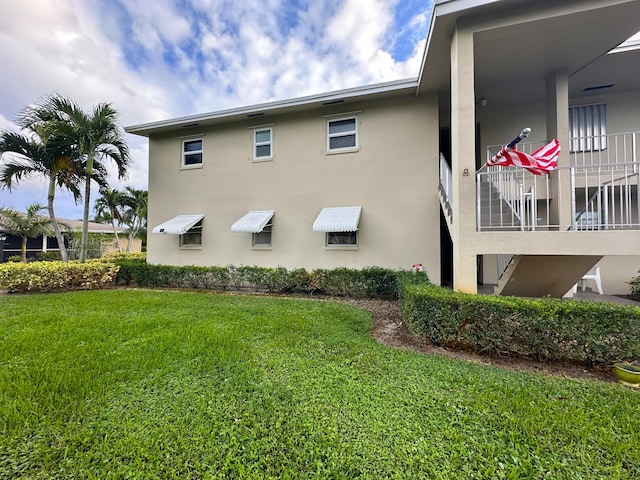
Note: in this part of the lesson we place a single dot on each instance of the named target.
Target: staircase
(543, 275)
(495, 214)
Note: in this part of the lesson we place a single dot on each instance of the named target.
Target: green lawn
(159, 384)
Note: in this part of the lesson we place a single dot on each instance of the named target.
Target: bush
(48, 276)
(47, 257)
(370, 282)
(544, 329)
(634, 287)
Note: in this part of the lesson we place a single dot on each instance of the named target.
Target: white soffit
(178, 225)
(338, 219)
(253, 222)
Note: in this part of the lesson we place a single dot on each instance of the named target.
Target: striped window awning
(253, 222)
(178, 225)
(338, 219)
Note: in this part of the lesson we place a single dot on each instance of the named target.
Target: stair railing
(611, 205)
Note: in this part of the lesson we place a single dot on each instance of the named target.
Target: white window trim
(257, 144)
(191, 246)
(354, 148)
(329, 246)
(183, 165)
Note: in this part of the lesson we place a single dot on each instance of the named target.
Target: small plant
(634, 287)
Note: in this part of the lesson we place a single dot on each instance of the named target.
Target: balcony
(599, 191)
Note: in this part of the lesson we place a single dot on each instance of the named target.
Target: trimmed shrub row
(47, 276)
(370, 282)
(547, 329)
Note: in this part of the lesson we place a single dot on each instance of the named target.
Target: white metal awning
(253, 222)
(178, 225)
(337, 219)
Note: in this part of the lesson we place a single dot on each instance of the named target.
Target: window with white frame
(588, 128)
(342, 134)
(192, 153)
(262, 144)
(342, 238)
(193, 236)
(262, 239)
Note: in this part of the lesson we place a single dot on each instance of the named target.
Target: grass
(159, 384)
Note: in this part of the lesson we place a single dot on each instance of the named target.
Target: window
(342, 238)
(192, 237)
(262, 144)
(588, 128)
(263, 238)
(342, 135)
(192, 153)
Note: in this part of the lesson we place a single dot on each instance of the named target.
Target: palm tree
(136, 214)
(108, 207)
(26, 225)
(95, 135)
(44, 155)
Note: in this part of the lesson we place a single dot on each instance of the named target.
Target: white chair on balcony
(589, 276)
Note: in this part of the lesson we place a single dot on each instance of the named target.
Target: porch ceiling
(517, 43)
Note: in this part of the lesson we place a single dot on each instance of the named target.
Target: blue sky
(158, 59)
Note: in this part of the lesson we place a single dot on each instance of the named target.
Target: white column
(557, 103)
(463, 156)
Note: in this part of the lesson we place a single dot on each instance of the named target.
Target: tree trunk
(54, 221)
(115, 232)
(133, 233)
(87, 202)
(23, 256)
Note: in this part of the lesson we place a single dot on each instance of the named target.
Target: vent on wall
(598, 87)
(333, 102)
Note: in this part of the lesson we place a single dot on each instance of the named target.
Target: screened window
(192, 153)
(588, 128)
(263, 238)
(262, 144)
(193, 236)
(342, 134)
(342, 238)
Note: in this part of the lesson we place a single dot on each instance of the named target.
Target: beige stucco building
(392, 174)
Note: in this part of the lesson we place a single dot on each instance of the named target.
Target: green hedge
(48, 276)
(547, 329)
(370, 282)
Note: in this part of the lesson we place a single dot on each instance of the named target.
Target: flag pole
(523, 134)
(510, 146)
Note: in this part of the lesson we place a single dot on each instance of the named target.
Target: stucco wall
(393, 176)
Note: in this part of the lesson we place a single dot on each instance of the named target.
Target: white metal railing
(516, 202)
(502, 263)
(602, 196)
(446, 182)
(604, 149)
(612, 148)
(613, 204)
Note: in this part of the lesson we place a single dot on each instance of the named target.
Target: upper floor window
(263, 144)
(588, 128)
(192, 153)
(342, 134)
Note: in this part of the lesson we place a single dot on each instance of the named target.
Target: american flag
(540, 162)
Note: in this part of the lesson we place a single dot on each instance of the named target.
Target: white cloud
(168, 58)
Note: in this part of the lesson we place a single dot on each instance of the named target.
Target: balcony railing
(601, 186)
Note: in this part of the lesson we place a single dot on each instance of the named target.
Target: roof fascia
(310, 101)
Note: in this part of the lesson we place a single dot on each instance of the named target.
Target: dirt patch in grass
(390, 329)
